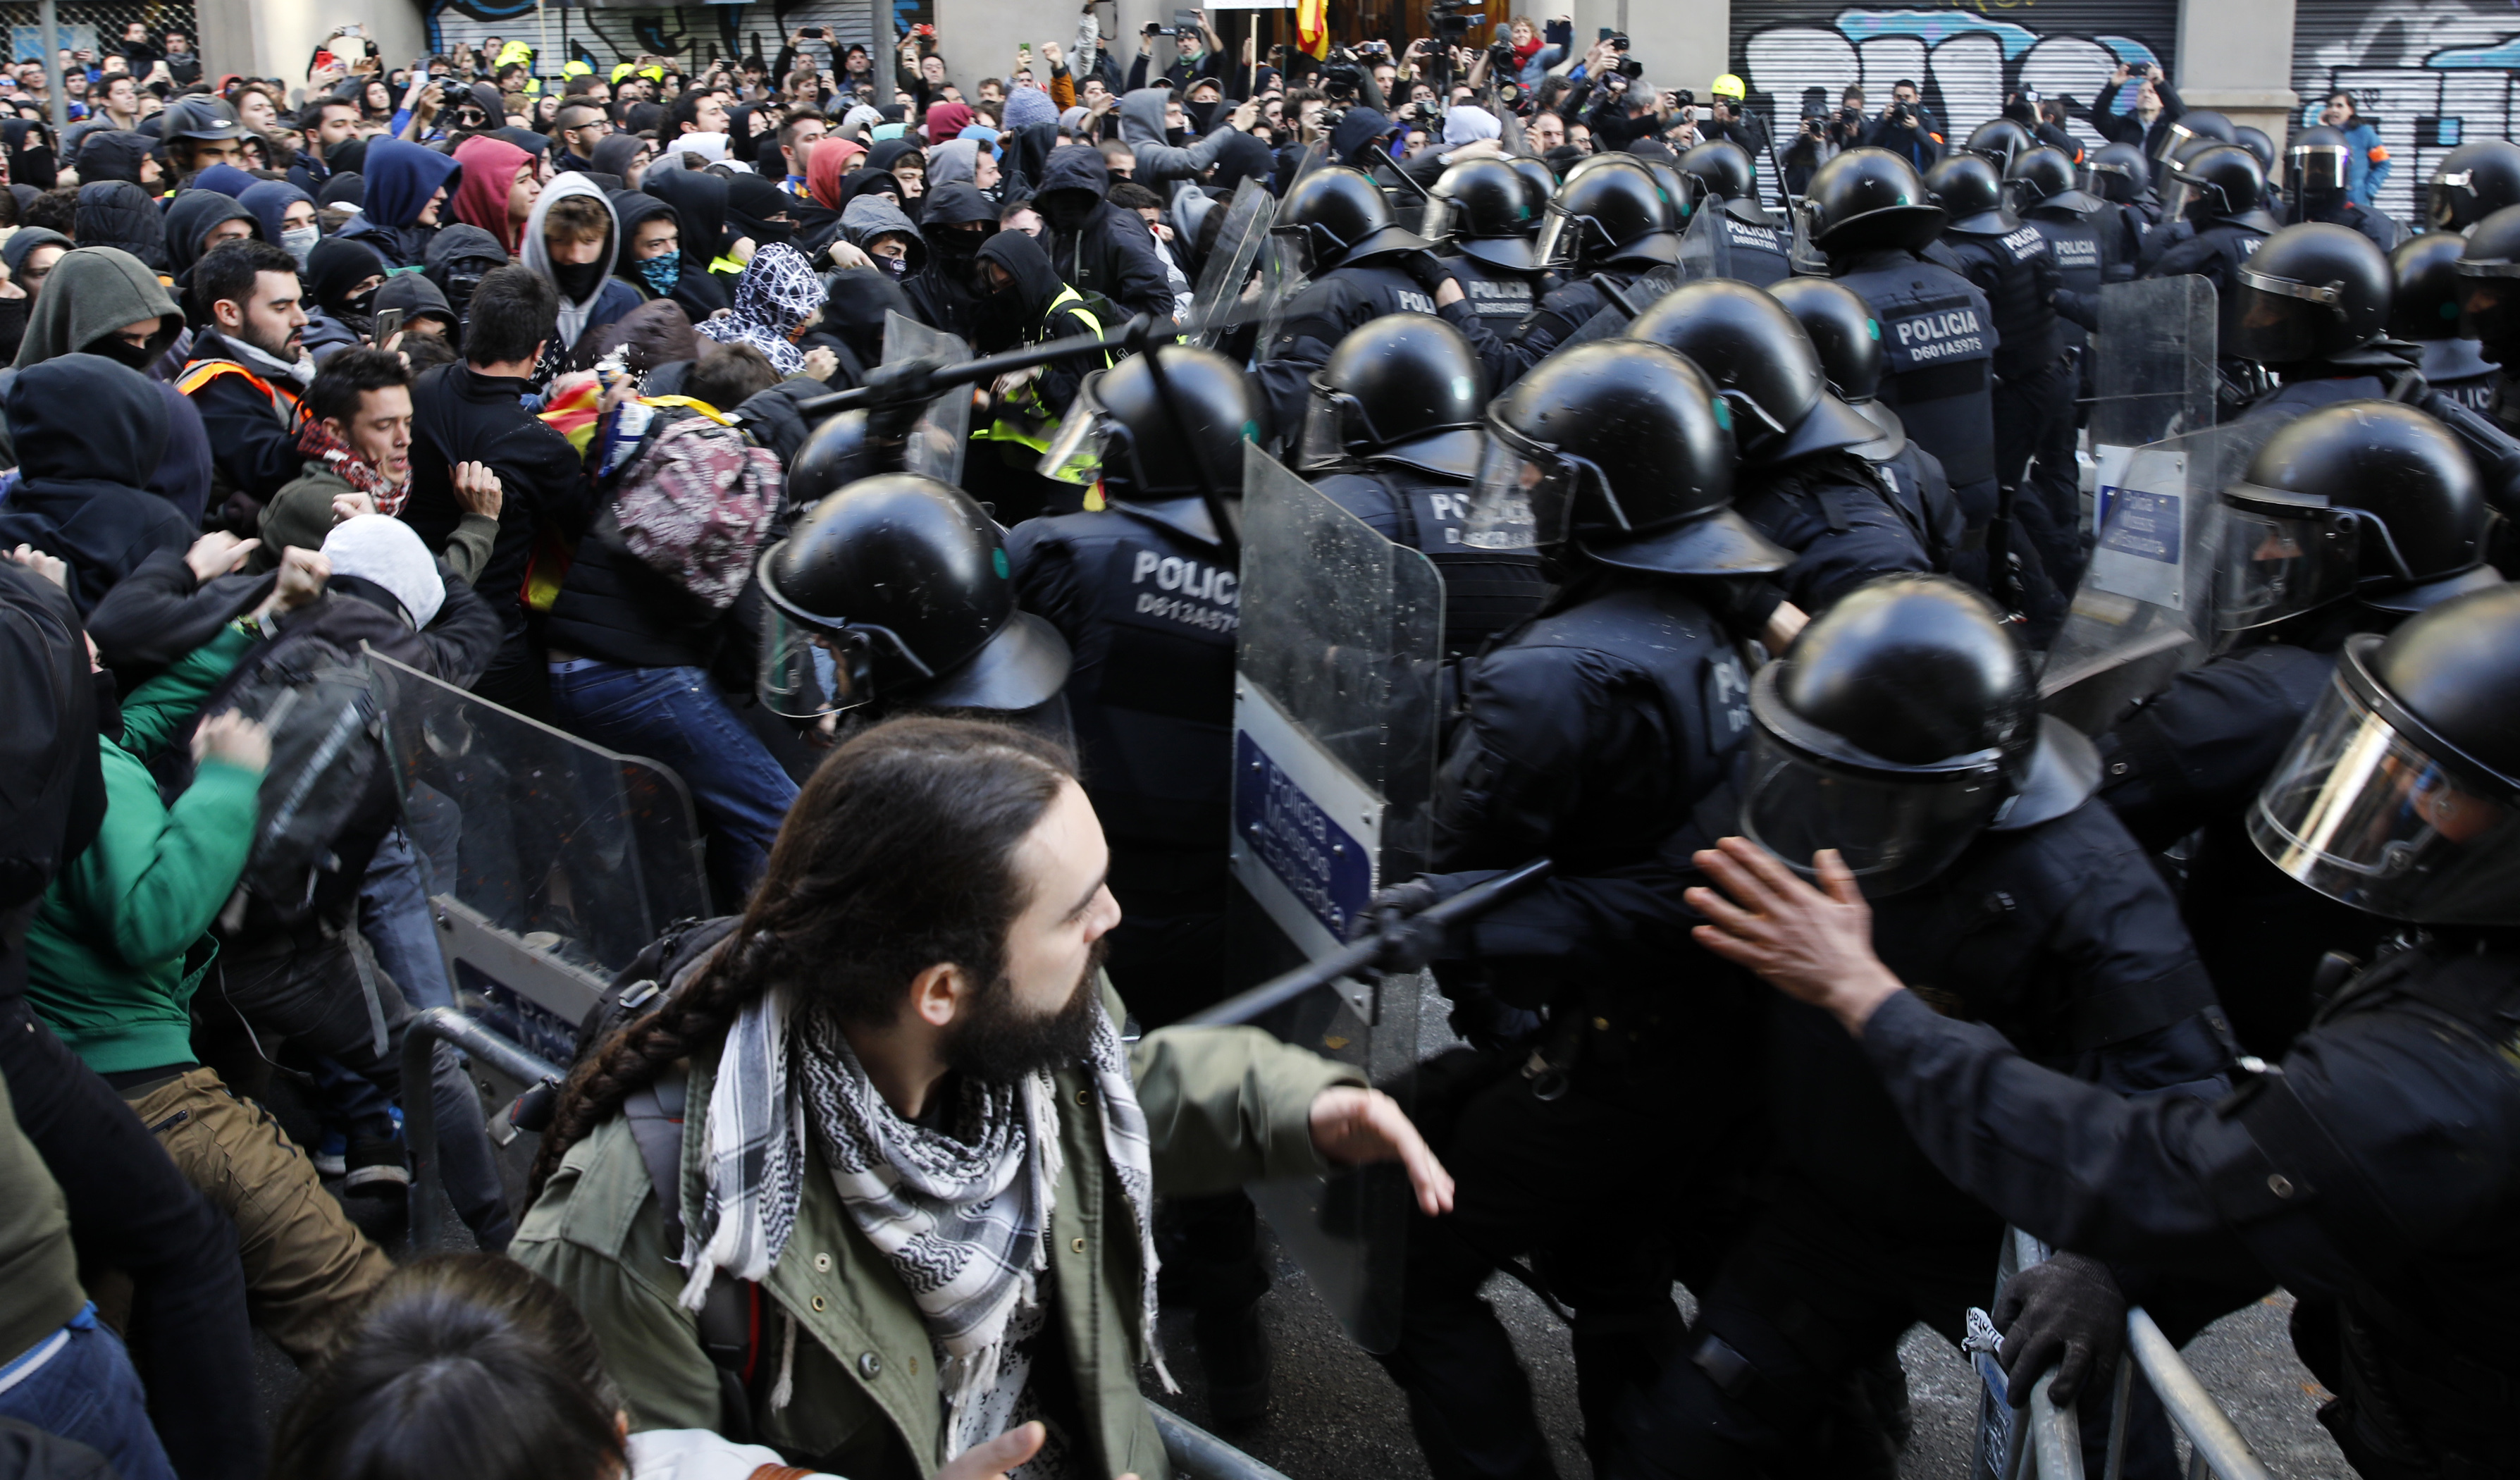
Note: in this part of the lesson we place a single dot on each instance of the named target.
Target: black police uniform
(2375, 372)
(1486, 591)
(1150, 614)
(1561, 312)
(1500, 297)
(2210, 252)
(1322, 313)
(1749, 246)
(2034, 391)
(1832, 511)
(1595, 725)
(2338, 210)
(2059, 939)
(2090, 249)
(1912, 480)
(2457, 369)
(1938, 341)
(2371, 1176)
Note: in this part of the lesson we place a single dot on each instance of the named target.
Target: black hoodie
(1022, 314)
(120, 213)
(693, 287)
(1095, 246)
(699, 202)
(89, 434)
(944, 293)
(112, 153)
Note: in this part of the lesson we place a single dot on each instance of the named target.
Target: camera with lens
(1901, 113)
(1342, 74)
(1451, 22)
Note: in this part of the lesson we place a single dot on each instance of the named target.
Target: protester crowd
(407, 361)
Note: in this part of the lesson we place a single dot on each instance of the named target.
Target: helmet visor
(807, 672)
(2318, 166)
(2273, 568)
(2489, 302)
(1558, 234)
(1524, 491)
(1328, 416)
(2277, 321)
(2447, 201)
(1294, 250)
(1076, 451)
(1442, 220)
(2360, 812)
(1893, 832)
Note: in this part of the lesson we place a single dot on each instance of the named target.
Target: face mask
(137, 356)
(301, 241)
(661, 273)
(1067, 210)
(899, 267)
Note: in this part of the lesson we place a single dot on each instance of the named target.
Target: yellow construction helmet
(1730, 86)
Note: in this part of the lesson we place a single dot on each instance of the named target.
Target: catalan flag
(1313, 27)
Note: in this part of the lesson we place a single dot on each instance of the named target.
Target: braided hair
(899, 854)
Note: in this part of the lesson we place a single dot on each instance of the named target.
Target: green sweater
(105, 959)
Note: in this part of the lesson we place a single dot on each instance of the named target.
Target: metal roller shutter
(606, 34)
(2428, 75)
(1967, 59)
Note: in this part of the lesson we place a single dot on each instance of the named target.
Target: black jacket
(253, 448)
(2127, 128)
(1095, 246)
(460, 416)
(89, 432)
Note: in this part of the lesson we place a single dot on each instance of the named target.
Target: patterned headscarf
(777, 293)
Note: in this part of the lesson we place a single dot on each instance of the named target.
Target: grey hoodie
(953, 161)
(573, 312)
(1142, 128)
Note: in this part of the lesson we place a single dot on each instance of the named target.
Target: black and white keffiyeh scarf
(961, 1214)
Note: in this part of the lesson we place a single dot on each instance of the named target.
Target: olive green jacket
(1223, 1106)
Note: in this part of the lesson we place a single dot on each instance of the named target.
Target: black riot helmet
(1488, 209)
(2190, 126)
(1761, 362)
(1848, 337)
(2257, 141)
(2472, 182)
(2117, 174)
(2222, 182)
(1722, 168)
(2045, 178)
(1543, 179)
(1970, 192)
(1623, 453)
(1867, 199)
(1610, 209)
(2423, 305)
(2311, 291)
(2314, 162)
(2371, 500)
(1900, 725)
(896, 588)
(836, 455)
(1157, 436)
(2000, 142)
(1336, 217)
(2399, 794)
(2488, 280)
(1406, 388)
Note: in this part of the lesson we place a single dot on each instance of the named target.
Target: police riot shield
(1283, 275)
(944, 430)
(2143, 611)
(551, 862)
(2152, 367)
(1335, 700)
(1702, 244)
(1227, 274)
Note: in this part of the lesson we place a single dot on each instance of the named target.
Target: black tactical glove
(897, 393)
(1408, 947)
(1426, 268)
(2068, 1313)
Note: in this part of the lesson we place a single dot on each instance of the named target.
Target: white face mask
(301, 241)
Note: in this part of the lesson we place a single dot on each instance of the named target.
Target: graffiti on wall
(2429, 73)
(607, 35)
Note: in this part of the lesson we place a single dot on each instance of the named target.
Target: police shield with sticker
(1334, 710)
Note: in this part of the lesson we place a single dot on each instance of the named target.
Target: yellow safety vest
(1035, 431)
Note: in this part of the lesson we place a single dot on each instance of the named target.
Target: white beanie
(380, 547)
(1466, 124)
(712, 148)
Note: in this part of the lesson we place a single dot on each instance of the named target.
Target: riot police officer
(2423, 311)
(1395, 437)
(1359, 264)
(893, 594)
(2489, 304)
(2196, 129)
(1752, 245)
(2009, 262)
(1902, 731)
(2000, 142)
(2369, 1174)
(1145, 591)
(2218, 220)
(2313, 307)
(1609, 224)
(2349, 519)
(1868, 211)
(2472, 182)
(1848, 339)
(1799, 481)
(1588, 733)
(1487, 212)
(2315, 172)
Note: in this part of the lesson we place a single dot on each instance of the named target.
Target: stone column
(2236, 57)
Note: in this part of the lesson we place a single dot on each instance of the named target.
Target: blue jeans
(674, 715)
(86, 1389)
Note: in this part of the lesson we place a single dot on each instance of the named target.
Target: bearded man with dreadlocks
(913, 1164)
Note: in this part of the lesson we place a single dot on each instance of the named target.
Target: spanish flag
(1313, 27)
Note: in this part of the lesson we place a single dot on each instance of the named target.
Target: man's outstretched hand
(1815, 947)
(1356, 1125)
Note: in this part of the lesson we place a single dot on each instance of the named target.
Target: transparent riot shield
(1226, 272)
(944, 429)
(551, 862)
(1702, 246)
(2152, 365)
(1334, 717)
(2143, 611)
(1282, 277)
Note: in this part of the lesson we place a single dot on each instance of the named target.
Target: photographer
(1907, 127)
(1817, 139)
(1730, 117)
(2156, 107)
(1199, 52)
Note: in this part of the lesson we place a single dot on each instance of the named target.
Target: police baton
(1392, 947)
(924, 386)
